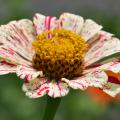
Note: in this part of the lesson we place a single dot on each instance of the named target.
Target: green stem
(51, 108)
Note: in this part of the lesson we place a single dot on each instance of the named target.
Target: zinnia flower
(53, 55)
(100, 97)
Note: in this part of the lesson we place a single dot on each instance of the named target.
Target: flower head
(53, 55)
(60, 55)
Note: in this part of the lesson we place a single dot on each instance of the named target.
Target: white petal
(75, 84)
(10, 55)
(36, 88)
(90, 28)
(101, 35)
(41, 86)
(44, 23)
(18, 35)
(57, 89)
(6, 68)
(27, 73)
(27, 30)
(112, 89)
(113, 66)
(72, 22)
(104, 47)
(95, 78)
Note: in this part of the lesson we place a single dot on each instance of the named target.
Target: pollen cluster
(59, 53)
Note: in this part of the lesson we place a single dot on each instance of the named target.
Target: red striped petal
(16, 40)
(102, 48)
(44, 23)
(71, 22)
(27, 73)
(6, 67)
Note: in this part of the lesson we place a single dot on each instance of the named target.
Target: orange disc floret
(59, 53)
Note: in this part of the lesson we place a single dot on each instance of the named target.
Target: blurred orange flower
(101, 97)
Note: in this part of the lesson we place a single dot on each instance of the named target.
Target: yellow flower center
(59, 53)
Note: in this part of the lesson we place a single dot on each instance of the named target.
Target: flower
(101, 97)
(53, 55)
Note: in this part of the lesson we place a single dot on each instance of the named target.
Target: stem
(51, 108)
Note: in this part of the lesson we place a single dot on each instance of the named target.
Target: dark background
(14, 105)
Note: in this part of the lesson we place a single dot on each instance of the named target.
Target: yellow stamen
(59, 53)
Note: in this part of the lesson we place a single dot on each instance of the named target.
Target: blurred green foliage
(14, 105)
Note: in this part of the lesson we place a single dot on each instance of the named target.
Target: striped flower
(53, 55)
